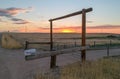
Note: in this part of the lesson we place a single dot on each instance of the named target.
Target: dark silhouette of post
(108, 50)
(51, 35)
(53, 58)
(83, 52)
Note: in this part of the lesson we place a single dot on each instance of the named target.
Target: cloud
(12, 11)
(15, 11)
(89, 21)
(94, 27)
(15, 30)
(4, 13)
(16, 19)
(104, 27)
(21, 21)
(2, 20)
(89, 29)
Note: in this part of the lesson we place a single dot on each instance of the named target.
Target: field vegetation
(67, 40)
(107, 68)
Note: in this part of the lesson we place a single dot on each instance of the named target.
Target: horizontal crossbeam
(38, 42)
(43, 54)
(27, 43)
(72, 14)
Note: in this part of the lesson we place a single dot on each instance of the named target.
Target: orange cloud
(76, 29)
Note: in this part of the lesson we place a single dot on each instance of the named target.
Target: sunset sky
(33, 15)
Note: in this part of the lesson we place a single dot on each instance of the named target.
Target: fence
(27, 43)
(72, 47)
(0, 37)
(64, 45)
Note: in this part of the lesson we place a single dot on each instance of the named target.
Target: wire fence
(95, 51)
(101, 44)
(93, 44)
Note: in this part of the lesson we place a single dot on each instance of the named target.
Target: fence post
(57, 46)
(94, 43)
(83, 52)
(64, 46)
(75, 44)
(110, 42)
(53, 58)
(108, 50)
(83, 12)
(26, 45)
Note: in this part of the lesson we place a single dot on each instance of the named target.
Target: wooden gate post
(83, 12)
(53, 58)
(83, 54)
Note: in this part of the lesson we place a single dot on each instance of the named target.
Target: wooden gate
(83, 12)
(53, 53)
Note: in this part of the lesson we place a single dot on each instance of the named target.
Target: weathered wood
(83, 12)
(38, 43)
(53, 58)
(108, 48)
(51, 36)
(83, 55)
(54, 53)
(26, 45)
(72, 14)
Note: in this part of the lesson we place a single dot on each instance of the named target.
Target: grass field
(107, 68)
(66, 39)
(100, 69)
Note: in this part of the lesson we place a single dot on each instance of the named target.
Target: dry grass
(8, 41)
(102, 69)
(60, 39)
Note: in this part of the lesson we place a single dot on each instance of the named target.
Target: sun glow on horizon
(67, 31)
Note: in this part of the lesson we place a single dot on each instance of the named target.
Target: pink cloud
(15, 11)
(8, 12)
(105, 27)
(90, 29)
(11, 12)
(22, 22)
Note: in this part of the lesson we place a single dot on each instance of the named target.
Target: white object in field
(30, 52)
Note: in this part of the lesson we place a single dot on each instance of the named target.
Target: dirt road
(14, 66)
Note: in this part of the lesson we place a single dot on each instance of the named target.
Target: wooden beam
(72, 14)
(53, 57)
(38, 42)
(83, 12)
(27, 43)
(54, 53)
(51, 36)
